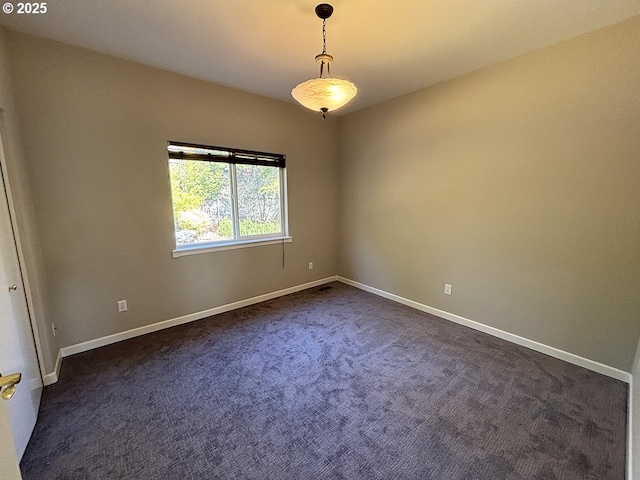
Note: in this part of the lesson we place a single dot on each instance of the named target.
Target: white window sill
(232, 245)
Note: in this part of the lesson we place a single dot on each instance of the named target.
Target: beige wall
(517, 184)
(25, 215)
(95, 130)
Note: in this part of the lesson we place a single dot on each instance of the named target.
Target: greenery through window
(225, 195)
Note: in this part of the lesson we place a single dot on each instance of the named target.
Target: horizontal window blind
(206, 153)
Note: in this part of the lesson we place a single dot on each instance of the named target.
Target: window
(226, 198)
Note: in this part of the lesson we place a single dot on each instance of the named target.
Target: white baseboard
(496, 332)
(532, 344)
(52, 378)
(136, 332)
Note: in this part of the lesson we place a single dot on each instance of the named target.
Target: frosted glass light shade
(329, 93)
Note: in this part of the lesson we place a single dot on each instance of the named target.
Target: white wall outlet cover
(447, 289)
(122, 305)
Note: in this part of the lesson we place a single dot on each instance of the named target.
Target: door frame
(5, 152)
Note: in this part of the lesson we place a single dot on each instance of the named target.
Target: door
(17, 346)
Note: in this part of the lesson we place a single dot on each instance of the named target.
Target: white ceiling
(268, 46)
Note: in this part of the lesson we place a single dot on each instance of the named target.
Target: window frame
(232, 157)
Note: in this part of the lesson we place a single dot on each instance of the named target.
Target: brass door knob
(8, 384)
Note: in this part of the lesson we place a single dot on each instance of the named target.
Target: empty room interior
(439, 280)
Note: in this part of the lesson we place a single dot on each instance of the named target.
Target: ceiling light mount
(324, 11)
(324, 93)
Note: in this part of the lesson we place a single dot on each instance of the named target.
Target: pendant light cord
(324, 35)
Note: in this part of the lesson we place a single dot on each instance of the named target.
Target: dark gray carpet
(333, 384)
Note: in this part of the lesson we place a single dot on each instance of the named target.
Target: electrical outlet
(122, 306)
(310, 265)
(54, 327)
(447, 289)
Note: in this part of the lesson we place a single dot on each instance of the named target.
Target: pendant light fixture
(324, 94)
